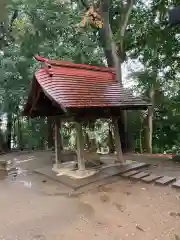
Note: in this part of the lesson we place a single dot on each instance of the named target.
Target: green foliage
(157, 48)
(49, 28)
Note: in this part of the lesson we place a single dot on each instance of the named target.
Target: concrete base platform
(165, 180)
(63, 168)
(103, 173)
(80, 174)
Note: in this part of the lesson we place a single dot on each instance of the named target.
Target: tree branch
(110, 43)
(6, 36)
(123, 25)
(14, 16)
(105, 5)
(85, 4)
(125, 17)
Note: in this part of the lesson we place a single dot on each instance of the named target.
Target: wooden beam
(80, 146)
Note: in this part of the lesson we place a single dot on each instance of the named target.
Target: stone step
(133, 166)
(176, 184)
(140, 175)
(165, 180)
(118, 170)
(130, 173)
(151, 178)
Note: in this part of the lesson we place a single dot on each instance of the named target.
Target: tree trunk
(1, 142)
(42, 137)
(106, 49)
(14, 137)
(58, 142)
(111, 142)
(9, 130)
(93, 145)
(117, 139)
(122, 131)
(2, 149)
(150, 129)
(20, 143)
(87, 141)
(113, 60)
(140, 139)
(98, 146)
(111, 46)
(149, 122)
(50, 138)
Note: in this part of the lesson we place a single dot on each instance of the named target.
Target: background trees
(51, 29)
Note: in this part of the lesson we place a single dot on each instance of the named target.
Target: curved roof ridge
(59, 63)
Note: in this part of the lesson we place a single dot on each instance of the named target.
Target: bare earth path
(33, 207)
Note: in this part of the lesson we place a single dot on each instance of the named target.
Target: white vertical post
(117, 138)
(80, 146)
(57, 142)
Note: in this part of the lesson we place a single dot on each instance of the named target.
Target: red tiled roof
(81, 86)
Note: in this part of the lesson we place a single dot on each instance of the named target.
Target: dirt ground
(35, 208)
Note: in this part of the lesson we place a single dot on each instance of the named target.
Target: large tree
(114, 16)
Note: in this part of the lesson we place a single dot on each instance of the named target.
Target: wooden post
(80, 146)
(117, 138)
(57, 142)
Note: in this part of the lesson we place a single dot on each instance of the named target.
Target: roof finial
(40, 59)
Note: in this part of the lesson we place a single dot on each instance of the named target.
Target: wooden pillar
(58, 155)
(80, 146)
(117, 139)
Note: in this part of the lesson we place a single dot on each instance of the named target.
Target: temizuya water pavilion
(78, 92)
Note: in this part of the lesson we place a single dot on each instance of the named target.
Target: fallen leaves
(104, 198)
(176, 237)
(139, 228)
(174, 214)
(120, 207)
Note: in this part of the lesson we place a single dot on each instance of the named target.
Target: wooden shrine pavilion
(77, 92)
